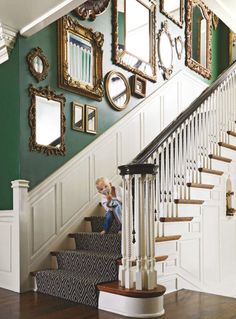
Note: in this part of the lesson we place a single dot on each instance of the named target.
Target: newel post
(138, 236)
(21, 243)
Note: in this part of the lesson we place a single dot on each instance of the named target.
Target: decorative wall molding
(10, 36)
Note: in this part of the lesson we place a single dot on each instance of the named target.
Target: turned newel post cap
(142, 169)
(20, 183)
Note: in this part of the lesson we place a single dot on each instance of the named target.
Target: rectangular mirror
(232, 47)
(173, 9)
(198, 37)
(91, 119)
(80, 59)
(77, 117)
(47, 121)
(134, 36)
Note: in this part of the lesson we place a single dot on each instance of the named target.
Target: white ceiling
(29, 16)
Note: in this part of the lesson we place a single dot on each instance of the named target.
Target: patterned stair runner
(79, 271)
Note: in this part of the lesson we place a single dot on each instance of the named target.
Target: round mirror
(38, 64)
(165, 51)
(118, 90)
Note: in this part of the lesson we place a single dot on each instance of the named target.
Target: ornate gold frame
(117, 56)
(166, 71)
(128, 91)
(232, 39)
(190, 62)
(37, 52)
(50, 95)
(73, 107)
(86, 118)
(169, 16)
(90, 9)
(178, 39)
(95, 91)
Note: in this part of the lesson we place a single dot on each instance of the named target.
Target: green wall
(10, 126)
(18, 161)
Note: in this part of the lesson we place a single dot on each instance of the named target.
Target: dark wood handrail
(171, 128)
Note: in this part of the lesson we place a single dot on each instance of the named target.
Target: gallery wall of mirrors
(148, 44)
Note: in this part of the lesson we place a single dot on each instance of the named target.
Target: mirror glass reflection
(165, 50)
(135, 42)
(173, 8)
(199, 36)
(38, 64)
(117, 90)
(48, 121)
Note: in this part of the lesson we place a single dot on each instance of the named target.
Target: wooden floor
(184, 304)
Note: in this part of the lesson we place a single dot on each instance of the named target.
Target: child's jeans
(113, 212)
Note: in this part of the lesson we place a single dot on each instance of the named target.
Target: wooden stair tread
(167, 238)
(220, 158)
(72, 235)
(226, 145)
(115, 288)
(189, 201)
(232, 133)
(210, 171)
(205, 186)
(175, 219)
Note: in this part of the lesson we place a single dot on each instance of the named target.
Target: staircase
(174, 174)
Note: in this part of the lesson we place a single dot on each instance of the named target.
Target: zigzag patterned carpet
(80, 270)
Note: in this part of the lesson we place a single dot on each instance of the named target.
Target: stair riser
(199, 193)
(188, 210)
(226, 152)
(166, 248)
(232, 140)
(171, 229)
(167, 267)
(210, 179)
(219, 165)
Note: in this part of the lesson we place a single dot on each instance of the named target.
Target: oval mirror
(179, 46)
(165, 51)
(38, 64)
(118, 90)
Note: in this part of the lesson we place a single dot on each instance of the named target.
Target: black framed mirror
(198, 37)
(173, 10)
(134, 36)
(165, 51)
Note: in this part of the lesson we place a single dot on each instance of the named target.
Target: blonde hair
(102, 180)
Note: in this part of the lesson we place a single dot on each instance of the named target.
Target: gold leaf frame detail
(169, 16)
(96, 90)
(50, 95)
(190, 62)
(37, 52)
(117, 59)
(90, 9)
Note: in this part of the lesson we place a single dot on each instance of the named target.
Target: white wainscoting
(59, 204)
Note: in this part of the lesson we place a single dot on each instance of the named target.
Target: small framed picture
(91, 119)
(138, 86)
(77, 117)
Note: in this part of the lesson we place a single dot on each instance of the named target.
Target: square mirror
(47, 121)
(77, 117)
(134, 36)
(80, 59)
(91, 119)
(173, 9)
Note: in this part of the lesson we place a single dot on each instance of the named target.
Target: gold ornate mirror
(47, 121)
(173, 9)
(80, 59)
(134, 36)
(38, 64)
(118, 90)
(198, 37)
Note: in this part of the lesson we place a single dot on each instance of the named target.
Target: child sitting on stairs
(111, 201)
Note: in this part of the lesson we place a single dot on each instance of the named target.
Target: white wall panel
(5, 246)
(43, 219)
(189, 260)
(75, 191)
(228, 250)
(170, 108)
(152, 121)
